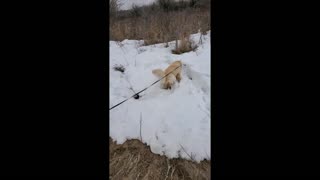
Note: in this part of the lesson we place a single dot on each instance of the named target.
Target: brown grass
(155, 25)
(185, 45)
(134, 160)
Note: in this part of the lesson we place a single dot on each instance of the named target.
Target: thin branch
(140, 126)
(124, 55)
(200, 40)
(173, 169)
(169, 167)
(186, 152)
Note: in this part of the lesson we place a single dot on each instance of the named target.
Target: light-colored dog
(175, 74)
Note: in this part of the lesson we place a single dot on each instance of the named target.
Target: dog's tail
(158, 72)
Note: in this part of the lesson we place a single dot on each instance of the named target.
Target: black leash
(136, 95)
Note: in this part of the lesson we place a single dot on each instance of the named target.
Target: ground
(134, 160)
(174, 123)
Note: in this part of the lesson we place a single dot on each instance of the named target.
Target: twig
(200, 41)
(138, 175)
(173, 169)
(140, 126)
(124, 56)
(207, 156)
(179, 153)
(186, 152)
(135, 57)
(131, 88)
(169, 167)
(193, 156)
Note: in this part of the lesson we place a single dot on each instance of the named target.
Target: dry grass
(134, 160)
(184, 45)
(154, 24)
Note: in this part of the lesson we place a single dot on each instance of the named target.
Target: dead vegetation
(185, 44)
(134, 160)
(119, 67)
(161, 22)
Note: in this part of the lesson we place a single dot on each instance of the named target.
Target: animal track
(197, 79)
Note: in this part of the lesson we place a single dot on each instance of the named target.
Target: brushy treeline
(161, 22)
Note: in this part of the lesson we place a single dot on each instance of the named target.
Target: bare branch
(190, 156)
(140, 126)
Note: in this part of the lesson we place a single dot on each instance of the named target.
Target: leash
(136, 95)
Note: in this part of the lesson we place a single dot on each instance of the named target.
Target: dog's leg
(178, 77)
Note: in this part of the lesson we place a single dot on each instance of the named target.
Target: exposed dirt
(134, 160)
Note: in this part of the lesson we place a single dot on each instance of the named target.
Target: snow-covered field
(175, 122)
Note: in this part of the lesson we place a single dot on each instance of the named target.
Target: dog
(175, 74)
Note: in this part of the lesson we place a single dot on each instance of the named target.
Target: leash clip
(136, 96)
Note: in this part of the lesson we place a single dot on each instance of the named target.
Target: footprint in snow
(197, 79)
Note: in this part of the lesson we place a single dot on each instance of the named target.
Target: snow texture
(174, 123)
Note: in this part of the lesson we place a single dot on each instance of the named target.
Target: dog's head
(169, 81)
(168, 85)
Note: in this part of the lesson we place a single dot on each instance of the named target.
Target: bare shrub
(193, 3)
(135, 11)
(155, 25)
(119, 67)
(185, 45)
(166, 4)
(114, 7)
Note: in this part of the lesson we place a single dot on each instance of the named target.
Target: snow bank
(176, 122)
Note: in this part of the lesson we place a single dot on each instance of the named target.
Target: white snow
(127, 4)
(175, 122)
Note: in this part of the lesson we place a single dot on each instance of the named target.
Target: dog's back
(174, 68)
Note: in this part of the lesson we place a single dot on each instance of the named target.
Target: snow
(127, 4)
(174, 123)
